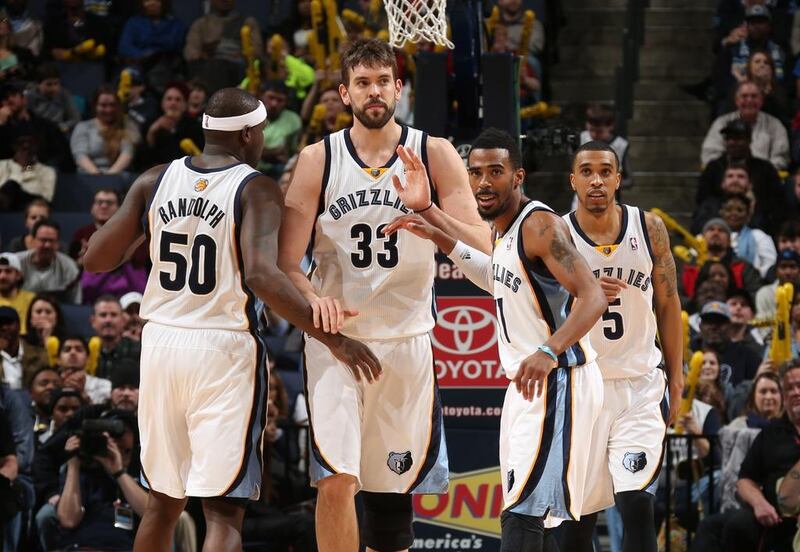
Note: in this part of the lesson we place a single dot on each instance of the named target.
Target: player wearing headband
(212, 221)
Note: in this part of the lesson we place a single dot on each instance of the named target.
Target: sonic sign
(465, 343)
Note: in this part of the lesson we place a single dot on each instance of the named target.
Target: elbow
(68, 520)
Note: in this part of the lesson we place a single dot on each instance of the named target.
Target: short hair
(369, 52)
(107, 298)
(600, 114)
(745, 83)
(596, 145)
(739, 197)
(109, 190)
(494, 138)
(230, 102)
(275, 85)
(37, 202)
(74, 337)
(790, 229)
(738, 166)
(788, 366)
(47, 71)
(39, 370)
(49, 223)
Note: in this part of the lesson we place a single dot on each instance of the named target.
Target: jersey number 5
(201, 264)
(616, 330)
(362, 257)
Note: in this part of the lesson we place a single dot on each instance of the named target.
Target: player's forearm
(670, 329)
(476, 265)
(586, 310)
(750, 492)
(789, 491)
(476, 235)
(302, 283)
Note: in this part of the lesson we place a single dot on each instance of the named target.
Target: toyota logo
(464, 322)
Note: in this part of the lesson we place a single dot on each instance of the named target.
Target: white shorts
(202, 411)
(628, 439)
(543, 453)
(386, 434)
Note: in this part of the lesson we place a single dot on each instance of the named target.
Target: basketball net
(417, 20)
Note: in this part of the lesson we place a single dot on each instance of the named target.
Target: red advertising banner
(465, 343)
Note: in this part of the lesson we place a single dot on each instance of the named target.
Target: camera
(93, 442)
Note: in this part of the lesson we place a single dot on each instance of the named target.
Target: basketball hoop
(416, 20)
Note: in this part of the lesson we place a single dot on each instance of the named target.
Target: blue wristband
(548, 351)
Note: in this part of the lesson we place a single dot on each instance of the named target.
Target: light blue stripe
(438, 478)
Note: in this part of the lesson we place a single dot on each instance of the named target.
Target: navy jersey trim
(149, 205)
(548, 430)
(326, 175)
(424, 158)
(567, 440)
(315, 450)
(664, 407)
(623, 228)
(188, 162)
(435, 443)
(646, 234)
(354, 154)
(250, 309)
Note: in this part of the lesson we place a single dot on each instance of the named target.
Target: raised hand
(416, 193)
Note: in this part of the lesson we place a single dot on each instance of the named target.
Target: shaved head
(230, 102)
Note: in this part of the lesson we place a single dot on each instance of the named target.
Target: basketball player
(628, 251)
(213, 222)
(547, 300)
(385, 439)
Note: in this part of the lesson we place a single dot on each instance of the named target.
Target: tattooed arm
(789, 492)
(667, 308)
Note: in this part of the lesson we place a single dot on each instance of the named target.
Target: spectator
(125, 386)
(749, 244)
(282, 133)
(73, 353)
(714, 321)
(166, 133)
(109, 324)
(45, 269)
(331, 114)
(40, 393)
(764, 402)
(44, 320)
(36, 210)
(762, 175)
(717, 234)
(530, 79)
(52, 102)
(23, 178)
(787, 269)
(10, 293)
(512, 18)
(9, 64)
(16, 119)
(22, 439)
(717, 376)
(131, 303)
(736, 180)
(196, 105)
(105, 144)
(152, 40)
(773, 452)
(788, 238)
(20, 360)
(67, 25)
(65, 402)
(601, 126)
(27, 31)
(141, 106)
(129, 276)
(214, 46)
(743, 310)
(769, 138)
(707, 290)
(761, 70)
(88, 510)
(105, 204)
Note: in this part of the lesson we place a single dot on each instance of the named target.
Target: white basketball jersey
(530, 302)
(194, 222)
(387, 279)
(625, 336)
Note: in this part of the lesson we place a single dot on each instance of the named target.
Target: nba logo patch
(634, 244)
(509, 243)
(200, 185)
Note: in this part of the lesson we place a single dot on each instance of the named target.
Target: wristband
(548, 351)
(116, 475)
(425, 209)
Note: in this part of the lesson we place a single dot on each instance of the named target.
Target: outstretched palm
(416, 193)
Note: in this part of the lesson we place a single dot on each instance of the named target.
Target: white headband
(254, 118)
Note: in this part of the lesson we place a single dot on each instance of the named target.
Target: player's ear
(519, 176)
(572, 181)
(343, 94)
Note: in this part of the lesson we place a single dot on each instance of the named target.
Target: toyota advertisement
(472, 386)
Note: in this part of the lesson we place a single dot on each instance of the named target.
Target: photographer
(99, 496)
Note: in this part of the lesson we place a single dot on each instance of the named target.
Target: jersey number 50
(203, 261)
(387, 257)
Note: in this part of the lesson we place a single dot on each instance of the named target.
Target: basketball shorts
(202, 411)
(543, 453)
(628, 439)
(387, 434)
